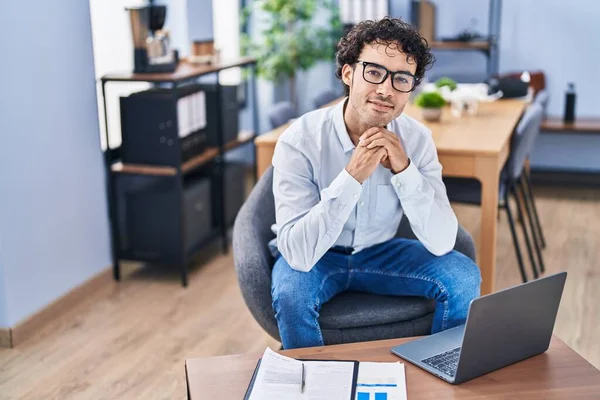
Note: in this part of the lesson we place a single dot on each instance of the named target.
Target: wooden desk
(580, 125)
(559, 373)
(468, 147)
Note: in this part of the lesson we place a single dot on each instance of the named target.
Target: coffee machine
(152, 49)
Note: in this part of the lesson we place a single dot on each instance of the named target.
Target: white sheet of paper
(279, 378)
(381, 381)
(201, 110)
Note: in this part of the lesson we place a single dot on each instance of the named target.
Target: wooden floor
(129, 341)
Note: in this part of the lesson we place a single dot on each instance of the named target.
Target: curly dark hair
(390, 31)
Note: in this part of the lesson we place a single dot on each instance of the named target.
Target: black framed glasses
(402, 81)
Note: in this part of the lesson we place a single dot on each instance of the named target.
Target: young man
(344, 177)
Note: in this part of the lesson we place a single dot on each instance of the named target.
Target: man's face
(377, 104)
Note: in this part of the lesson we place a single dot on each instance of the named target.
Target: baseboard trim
(563, 177)
(31, 325)
(5, 337)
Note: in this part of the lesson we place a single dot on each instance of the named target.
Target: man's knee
(289, 304)
(292, 296)
(461, 275)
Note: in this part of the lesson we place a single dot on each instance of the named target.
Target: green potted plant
(446, 82)
(291, 40)
(431, 104)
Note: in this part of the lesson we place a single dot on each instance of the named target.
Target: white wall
(54, 227)
(226, 35)
(567, 151)
(264, 89)
(113, 51)
(3, 315)
(564, 42)
(177, 24)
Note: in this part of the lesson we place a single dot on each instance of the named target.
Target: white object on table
(381, 380)
(279, 378)
(465, 97)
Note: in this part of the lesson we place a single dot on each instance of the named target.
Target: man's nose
(385, 88)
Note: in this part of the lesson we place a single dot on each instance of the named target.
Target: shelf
(159, 170)
(581, 125)
(475, 45)
(208, 155)
(164, 170)
(141, 169)
(184, 71)
(236, 142)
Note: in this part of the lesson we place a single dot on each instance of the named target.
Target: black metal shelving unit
(175, 175)
(488, 47)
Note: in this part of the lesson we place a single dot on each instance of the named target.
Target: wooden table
(559, 373)
(468, 147)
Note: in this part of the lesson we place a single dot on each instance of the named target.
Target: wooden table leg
(488, 174)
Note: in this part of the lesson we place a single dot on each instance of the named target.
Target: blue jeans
(399, 267)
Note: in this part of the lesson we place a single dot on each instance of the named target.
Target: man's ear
(347, 72)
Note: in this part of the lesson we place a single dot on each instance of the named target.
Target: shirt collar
(340, 126)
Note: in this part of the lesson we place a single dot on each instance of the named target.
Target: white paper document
(183, 116)
(381, 381)
(280, 378)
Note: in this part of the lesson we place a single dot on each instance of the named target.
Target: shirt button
(362, 203)
(355, 195)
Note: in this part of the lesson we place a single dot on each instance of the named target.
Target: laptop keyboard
(445, 362)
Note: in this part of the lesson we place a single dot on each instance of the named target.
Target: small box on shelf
(223, 113)
(164, 126)
(150, 217)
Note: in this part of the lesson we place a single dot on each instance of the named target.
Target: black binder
(354, 376)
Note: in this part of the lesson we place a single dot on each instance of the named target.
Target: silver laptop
(502, 328)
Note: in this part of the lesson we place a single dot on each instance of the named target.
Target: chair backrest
(251, 255)
(537, 79)
(524, 139)
(281, 113)
(325, 97)
(542, 99)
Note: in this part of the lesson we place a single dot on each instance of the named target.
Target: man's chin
(380, 122)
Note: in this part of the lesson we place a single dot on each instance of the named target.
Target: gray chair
(542, 98)
(348, 317)
(468, 191)
(281, 113)
(325, 97)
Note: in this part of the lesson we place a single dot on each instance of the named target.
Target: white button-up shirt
(318, 204)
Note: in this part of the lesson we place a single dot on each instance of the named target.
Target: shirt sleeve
(424, 200)
(309, 221)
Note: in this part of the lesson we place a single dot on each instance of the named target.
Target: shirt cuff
(408, 181)
(345, 188)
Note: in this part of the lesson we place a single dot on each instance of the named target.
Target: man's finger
(369, 132)
(381, 133)
(377, 149)
(379, 142)
(366, 141)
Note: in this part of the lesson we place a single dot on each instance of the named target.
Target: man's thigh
(328, 277)
(405, 267)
